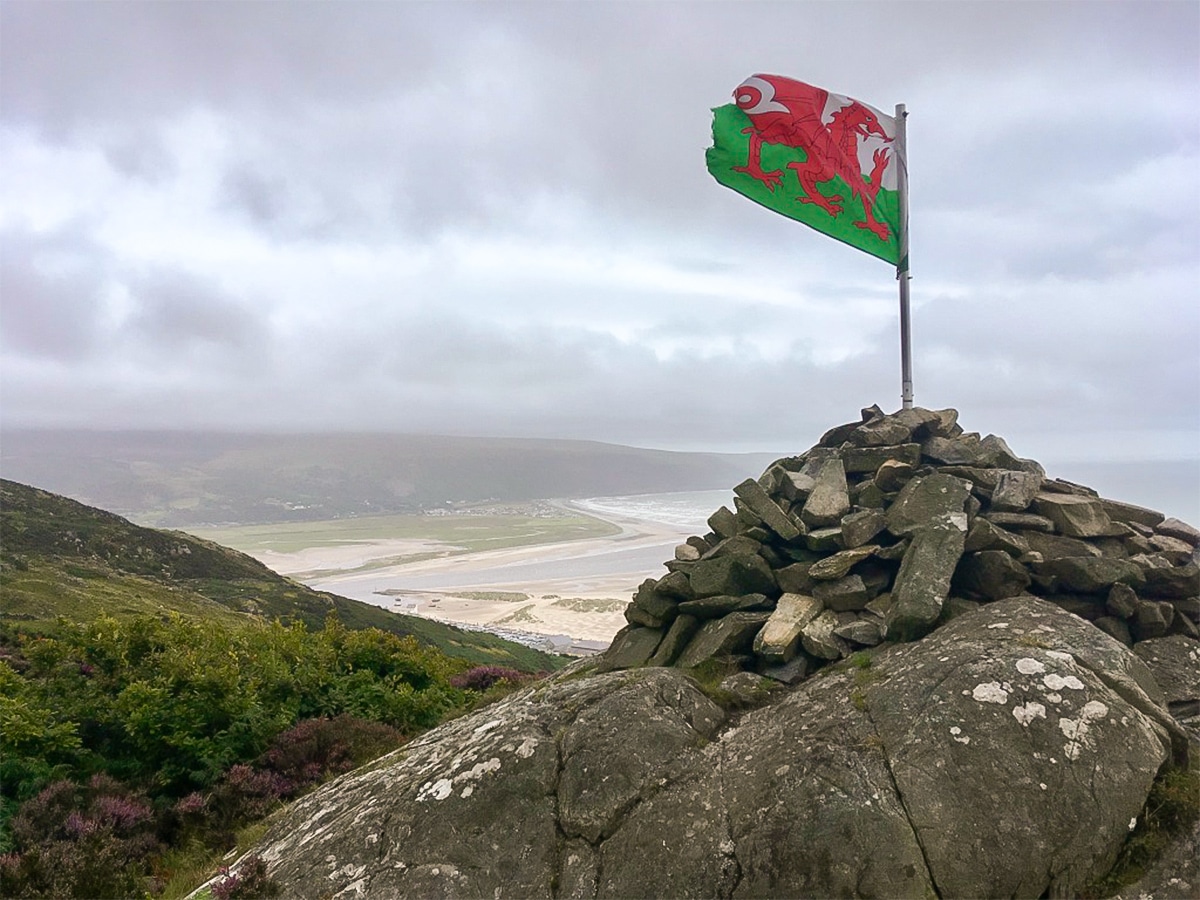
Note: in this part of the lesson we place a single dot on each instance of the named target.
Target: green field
(460, 532)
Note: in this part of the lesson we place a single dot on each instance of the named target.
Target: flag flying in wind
(823, 159)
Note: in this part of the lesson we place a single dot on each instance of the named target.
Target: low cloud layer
(495, 219)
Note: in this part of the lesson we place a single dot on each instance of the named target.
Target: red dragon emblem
(828, 128)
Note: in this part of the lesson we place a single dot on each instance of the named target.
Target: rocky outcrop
(901, 666)
(888, 528)
(1005, 754)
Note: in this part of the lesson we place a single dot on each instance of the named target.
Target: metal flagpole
(902, 272)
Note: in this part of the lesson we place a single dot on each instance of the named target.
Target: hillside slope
(62, 558)
(174, 479)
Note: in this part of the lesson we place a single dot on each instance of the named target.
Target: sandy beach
(577, 588)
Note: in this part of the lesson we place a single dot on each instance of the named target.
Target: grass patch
(1172, 808)
(40, 590)
(708, 677)
(591, 605)
(493, 596)
(524, 614)
(195, 864)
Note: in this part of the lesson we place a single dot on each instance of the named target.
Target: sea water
(1170, 486)
(681, 509)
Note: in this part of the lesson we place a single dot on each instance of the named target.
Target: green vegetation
(709, 675)
(159, 694)
(166, 731)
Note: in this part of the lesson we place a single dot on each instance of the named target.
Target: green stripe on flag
(732, 148)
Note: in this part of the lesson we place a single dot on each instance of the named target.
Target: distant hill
(175, 479)
(62, 558)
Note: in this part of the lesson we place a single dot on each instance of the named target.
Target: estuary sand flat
(574, 587)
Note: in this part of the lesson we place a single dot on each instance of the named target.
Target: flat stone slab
(922, 500)
(1015, 491)
(923, 582)
(1020, 521)
(844, 595)
(986, 535)
(723, 604)
(859, 527)
(737, 575)
(869, 459)
(1075, 516)
(1091, 575)
(767, 509)
(780, 637)
(1179, 529)
(1128, 512)
(632, 647)
(824, 539)
(722, 637)
(838, 564)
(829, 499)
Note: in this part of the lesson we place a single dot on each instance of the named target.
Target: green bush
(194, 717)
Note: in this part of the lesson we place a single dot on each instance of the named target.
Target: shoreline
(575, 588)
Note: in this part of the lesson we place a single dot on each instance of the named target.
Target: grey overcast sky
(495, 219)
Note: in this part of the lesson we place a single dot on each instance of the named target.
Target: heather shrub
(96, 840)
(299, 758)
(315, 749)
(249, 883)
(481, 678)
(242, 794)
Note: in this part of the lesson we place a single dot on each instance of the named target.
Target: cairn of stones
(889, 527)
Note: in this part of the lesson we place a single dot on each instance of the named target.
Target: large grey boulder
(1075, 516)
(1003, 755)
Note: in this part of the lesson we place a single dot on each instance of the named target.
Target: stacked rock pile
(889, 527)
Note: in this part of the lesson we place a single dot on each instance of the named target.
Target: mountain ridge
(174, 479)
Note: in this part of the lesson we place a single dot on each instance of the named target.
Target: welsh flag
(823, 159)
